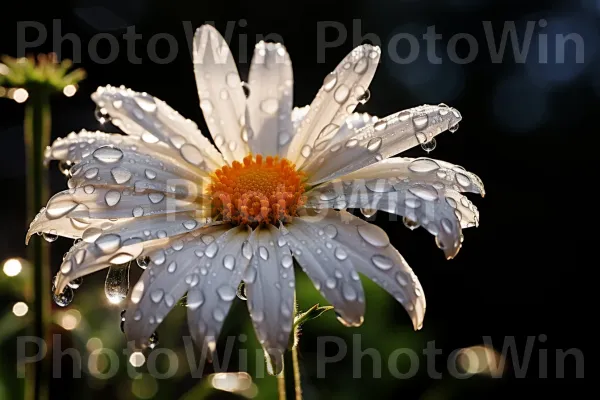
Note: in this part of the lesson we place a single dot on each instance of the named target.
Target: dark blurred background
(516, 275)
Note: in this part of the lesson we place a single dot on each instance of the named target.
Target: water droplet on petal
(226, 293)
(287, 261)
(50, 236)
(263, 252)
(410, 224)
(75, 283)
(143, 262)
(229, 262)
(341, 94)
(423, 165)
(306, 151)
(269, 106)
(330, 81)
(368, 212)
(382, 262)
(374, 144)
(116, 285)
(340, 254)
(429, 146)
(108, 154)
(63, 299)
(373, 235)
(112, 197)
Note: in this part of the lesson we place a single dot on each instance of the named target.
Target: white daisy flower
(204, 220)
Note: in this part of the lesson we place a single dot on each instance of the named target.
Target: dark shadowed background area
(514, 279)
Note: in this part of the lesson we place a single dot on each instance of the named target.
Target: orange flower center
(257, 191)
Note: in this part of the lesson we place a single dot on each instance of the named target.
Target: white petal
(417, 200)
(341, 91)
(270, 291)
(167, 278)
(139, 171)
(385, 138)
(119, 242)
(423, 169)
(222, 98)
(225, 259)
(369, 249)
(270, 101)
(140, 114)
(329, 264)
(115, 202)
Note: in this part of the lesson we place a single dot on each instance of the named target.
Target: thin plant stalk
(37, 128)
(297, 377)
(281, 385)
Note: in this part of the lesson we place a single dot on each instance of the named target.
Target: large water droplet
(108, 243)
(373, 235)
(269, 106)
(191, 154)
(462, 179)
(330, 81)
(206, 106)
(361, 66)
(146, 103)
(116, 285)
(263, 252)
(368, 212)
(108, 154)
(382, 262)
(429, 145)
(453, 128)
(425, 192)
(306, 151)
(226, 293)
(423, 165)
(340, 254)
(112, 197)
(410, 224)
(420, 121)
(50, 236)
(195, 299)
(63, 299)
(232, 79)
(229, 262)
(143, 262)
(341, 94)
(211, 250)
(287, 261)
(374, 144)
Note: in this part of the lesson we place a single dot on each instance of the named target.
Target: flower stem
(297, 378)
(37, 127)
(281, 385)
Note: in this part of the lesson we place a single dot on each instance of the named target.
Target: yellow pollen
(258, 191)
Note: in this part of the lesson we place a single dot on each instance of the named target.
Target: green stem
(281, 385)
(297, 377)
(37, 136)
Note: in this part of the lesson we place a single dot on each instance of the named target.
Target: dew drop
(306, 151)
(287, 261)
(63, 299)
(229, 262)
(108, 243)
(138, 211)
(143, 262)
(108, 154)
(410, 224)
(116, 285)
(226, 293)
(340, 254)
(453, 128)
(50, 236)
(361, 66)
(341, 94)
(263, 253)
(112, 197)
(423, 165)
(247, 250)
(429, 146)
(269, 106)
(206, 106)
(382, 262)
(374, 144)
(373, 235)
(420, 121)
(330, 81)
(120, 175)
(368, 212)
